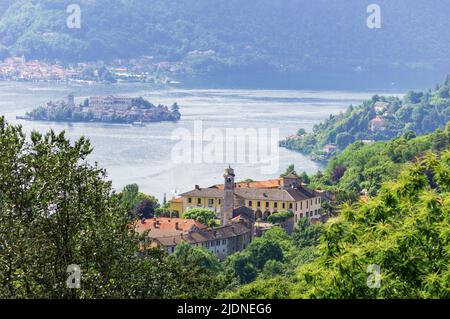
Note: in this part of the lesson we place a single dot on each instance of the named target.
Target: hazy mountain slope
(4, 5)
(292, 35)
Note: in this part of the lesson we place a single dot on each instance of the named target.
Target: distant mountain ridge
(256, 36)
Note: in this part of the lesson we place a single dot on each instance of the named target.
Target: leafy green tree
(241, 267)
(404, 230)
(273, 268)
(145, 209)
(279, 217)
(305, 178)
(198, 256)
(277, 287)
(58, 210)
(344, 139)
(421, 112)
(261, 250)
(307, 234)
(139, 205)
(175, 107)
(105, 75)
(403, 233)
(202, 215)
(290, 169)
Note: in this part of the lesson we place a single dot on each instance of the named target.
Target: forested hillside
(55, 209)
(395, 245)
(363, 167)
(378, 119)
(254, 35)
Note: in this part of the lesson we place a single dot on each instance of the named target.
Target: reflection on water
(142, 155)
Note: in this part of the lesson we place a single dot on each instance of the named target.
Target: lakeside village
(376, 125)
(109, 109)
(245, 210)
(144, 69)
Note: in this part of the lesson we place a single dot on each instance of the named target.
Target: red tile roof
(224, 232)
(378, 120)
(164, 226)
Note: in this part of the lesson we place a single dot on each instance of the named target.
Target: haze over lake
(142, 155)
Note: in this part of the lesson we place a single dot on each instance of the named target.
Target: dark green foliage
(361, 166)
(307, 234)
(273, 254)
(279, 217)
(193, 255)
(289, 170)
(202, 215)
(142, 103)
(145, 209)
(203, 268)
(57, 210)
(344, 139)
(139, 205)
(305, 178)
(405, 231)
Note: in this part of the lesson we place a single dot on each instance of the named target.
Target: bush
(202, 215)
(279, 217)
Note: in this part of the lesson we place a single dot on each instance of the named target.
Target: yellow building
(263, 198)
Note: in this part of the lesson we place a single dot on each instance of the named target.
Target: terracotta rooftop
(167, 226)
(378, 120)
(204, 235)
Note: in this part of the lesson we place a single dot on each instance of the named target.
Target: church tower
(227, 206)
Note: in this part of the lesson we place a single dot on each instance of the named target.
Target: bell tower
(228, 197)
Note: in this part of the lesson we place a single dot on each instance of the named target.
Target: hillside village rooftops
(167, 226)
(205, 235)
(378, 120)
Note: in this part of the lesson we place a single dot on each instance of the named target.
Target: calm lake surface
(143, 155)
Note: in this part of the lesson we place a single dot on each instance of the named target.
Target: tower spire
(228, 197)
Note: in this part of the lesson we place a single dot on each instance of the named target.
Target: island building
(110, 102)
(262, 198)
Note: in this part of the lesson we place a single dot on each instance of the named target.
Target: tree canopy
(202, 215)
(395, 245)
(57, 210)
(418, 113)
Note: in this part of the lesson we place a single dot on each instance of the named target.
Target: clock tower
(227, 206)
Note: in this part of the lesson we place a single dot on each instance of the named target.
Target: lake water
(143, 155)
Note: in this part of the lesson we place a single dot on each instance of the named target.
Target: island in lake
(108, 109)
